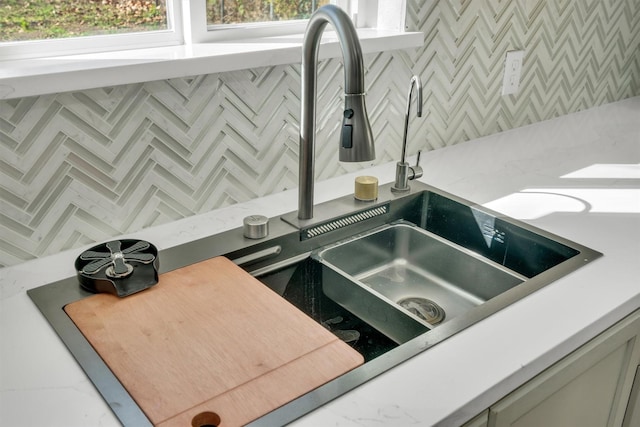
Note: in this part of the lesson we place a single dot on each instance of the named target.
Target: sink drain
(424, 308)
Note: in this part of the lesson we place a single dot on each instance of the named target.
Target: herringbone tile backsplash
(85, 166)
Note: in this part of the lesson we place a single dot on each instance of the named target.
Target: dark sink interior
(495, 238)
(301, 285)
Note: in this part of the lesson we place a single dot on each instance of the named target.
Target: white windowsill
(29, 77)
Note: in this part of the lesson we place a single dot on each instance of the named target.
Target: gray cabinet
(590, 387)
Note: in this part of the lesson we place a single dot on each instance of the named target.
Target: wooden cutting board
(210, 344)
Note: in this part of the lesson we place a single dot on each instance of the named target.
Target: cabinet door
(588, 388)
(632, 415)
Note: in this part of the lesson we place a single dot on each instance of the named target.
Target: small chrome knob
(256, 227)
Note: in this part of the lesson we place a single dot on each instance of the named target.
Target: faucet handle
(415, 172)
(405, 173)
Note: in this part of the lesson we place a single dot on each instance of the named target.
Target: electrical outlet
(512, 70)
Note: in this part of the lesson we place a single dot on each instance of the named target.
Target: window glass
(44, 28)
(22, 20)
(245, 11)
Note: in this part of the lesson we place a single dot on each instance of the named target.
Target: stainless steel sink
(364, 270)
(419, 274)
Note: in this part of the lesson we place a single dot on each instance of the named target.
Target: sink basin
(423, 275)
(392, 278)
(425, 264)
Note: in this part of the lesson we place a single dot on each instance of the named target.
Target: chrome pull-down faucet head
(356, 138)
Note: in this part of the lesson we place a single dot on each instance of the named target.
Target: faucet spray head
(356, 138)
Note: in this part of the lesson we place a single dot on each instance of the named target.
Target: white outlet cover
(512, 70)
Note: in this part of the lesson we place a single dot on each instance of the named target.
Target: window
(221, 12)
(41, 28)
(52, 19)
(188, 46)
(246, 19)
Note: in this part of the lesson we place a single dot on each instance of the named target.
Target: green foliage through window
(240, 11)
(44, 19)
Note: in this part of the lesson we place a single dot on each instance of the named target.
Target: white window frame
(197, 29)
(380, 14)
(187, 24)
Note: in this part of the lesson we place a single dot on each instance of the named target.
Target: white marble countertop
(577, 176)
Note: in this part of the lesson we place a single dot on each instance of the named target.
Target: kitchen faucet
(404, 172)
(356, 138)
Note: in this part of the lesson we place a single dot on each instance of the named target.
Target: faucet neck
(349, 43)
(415, 81)
(356, 135)
(404, 172)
